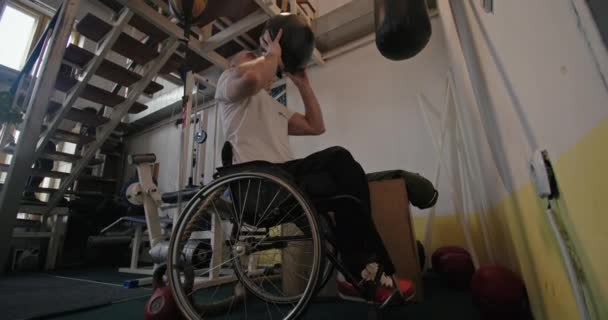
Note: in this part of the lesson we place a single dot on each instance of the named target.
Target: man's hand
(272, 47)
(247, 79)
(299, 78)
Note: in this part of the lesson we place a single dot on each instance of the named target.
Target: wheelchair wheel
(266, 250)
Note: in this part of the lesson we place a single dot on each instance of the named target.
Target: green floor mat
(32, 296)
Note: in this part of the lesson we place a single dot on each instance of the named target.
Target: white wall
(554, 79)
(370, 107)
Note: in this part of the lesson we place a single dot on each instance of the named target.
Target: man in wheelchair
(257, 128)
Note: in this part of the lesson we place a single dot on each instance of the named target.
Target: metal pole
(185, 156)
(21, 163)
(210, 145)
(135, 247)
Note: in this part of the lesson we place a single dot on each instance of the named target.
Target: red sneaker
(348, 292)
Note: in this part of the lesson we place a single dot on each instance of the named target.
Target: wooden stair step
(195, 62)
(35, 189)
(77, 115)
(113, 5)
(39, 208)
(95, 29)
(87, 118)
(39, 172)
(77, 55)
(96, 179)
(49, 155)
(122, 127)
(95, 162)
(131, 48)
(141, 24)
(95, 94)
(107, 69)
(90, 194)
(111, 149)
(72, 137)
(138, 22)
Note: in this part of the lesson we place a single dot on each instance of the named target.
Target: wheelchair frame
(366, 290)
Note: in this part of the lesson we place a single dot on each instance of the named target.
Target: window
(17, 29)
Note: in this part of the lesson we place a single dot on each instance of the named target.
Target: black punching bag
(403, 27)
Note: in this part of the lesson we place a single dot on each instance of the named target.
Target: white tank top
(257, 127)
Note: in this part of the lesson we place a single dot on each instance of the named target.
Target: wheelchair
(272, 248)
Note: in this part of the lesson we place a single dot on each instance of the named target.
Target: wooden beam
(238, 40)
(234, 30)
(206, 32)
(227, 22)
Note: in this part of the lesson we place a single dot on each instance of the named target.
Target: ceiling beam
(140, 8)
(238, 40)
(235, 30)
(226, 22)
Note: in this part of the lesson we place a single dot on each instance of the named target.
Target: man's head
(242, 57)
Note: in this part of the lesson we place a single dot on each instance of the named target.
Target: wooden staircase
(72, 70)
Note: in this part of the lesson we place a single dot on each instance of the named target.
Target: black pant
(333, 172)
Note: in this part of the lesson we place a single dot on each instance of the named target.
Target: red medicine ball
(498, 290)
(439, 253)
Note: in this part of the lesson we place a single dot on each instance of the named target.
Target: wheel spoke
(257, 203)
(242, 209)
(268, 207)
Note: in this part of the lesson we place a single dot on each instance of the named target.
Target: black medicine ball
(297, 42)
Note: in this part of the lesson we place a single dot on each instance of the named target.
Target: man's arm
(311, 122)
(249, 78)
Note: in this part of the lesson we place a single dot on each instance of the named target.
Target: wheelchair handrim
(199, 199)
